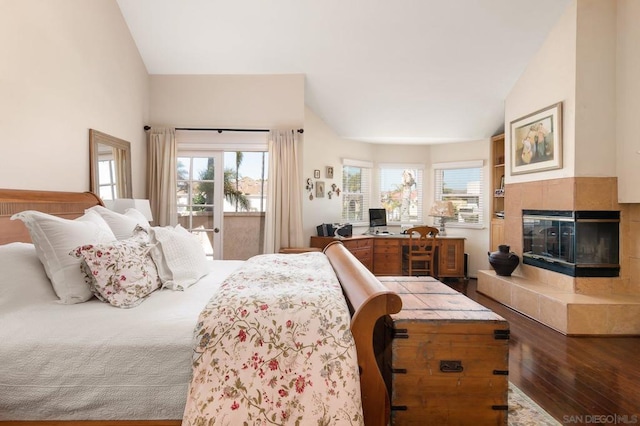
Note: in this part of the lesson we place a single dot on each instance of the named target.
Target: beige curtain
(162, 157)
(283, 218)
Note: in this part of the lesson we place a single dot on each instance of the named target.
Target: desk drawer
(361, 254)
(392, 267)
(379, 242)
(387, 257)
(356, 244)
(387, 250)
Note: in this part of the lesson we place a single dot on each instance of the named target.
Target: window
(401, 192)
(356, 190)
(107, 179)
(462, 184)
(245, 181)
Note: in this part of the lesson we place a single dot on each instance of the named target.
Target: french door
(200, 196)
(220, 190)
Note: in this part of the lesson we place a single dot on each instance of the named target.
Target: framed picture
(329, 172)
(316, 174)
(319, 189)
(536, 141)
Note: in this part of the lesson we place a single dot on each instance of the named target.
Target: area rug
(524, 412)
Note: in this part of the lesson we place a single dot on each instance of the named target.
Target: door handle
(216, 230)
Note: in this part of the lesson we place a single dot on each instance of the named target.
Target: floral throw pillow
(121, 272)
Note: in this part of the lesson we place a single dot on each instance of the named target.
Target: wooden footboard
(369, 300)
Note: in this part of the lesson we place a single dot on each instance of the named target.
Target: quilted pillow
(122, 225)
(120, 272)
(53, 237)
(178, 255)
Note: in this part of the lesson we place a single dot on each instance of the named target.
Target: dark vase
(503, 261)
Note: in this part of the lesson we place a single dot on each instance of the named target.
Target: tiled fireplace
(574, 305)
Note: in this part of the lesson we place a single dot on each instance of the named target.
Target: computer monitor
(377, 217)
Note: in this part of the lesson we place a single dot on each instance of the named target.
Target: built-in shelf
(497, 183)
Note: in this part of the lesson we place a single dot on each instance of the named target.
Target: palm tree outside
(232, 193)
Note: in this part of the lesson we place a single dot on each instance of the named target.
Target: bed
(49, 353)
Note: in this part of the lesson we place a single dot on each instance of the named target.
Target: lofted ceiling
(406, 71)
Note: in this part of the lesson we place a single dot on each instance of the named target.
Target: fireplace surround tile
(632, 244)
(553, 313)
(567, 312)
(560, 282)
(557, 194)
(532, 195)
(589, 285)
(629, 285)
(502, 291)
(596, 193)
(588, 319)
(624, 318)
(526, 301)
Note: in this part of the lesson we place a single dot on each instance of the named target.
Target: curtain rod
(221, 130)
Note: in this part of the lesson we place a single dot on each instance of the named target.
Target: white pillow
(54, 237)
(122, 225)
(178, 255)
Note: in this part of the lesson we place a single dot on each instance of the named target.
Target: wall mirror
(110, 166)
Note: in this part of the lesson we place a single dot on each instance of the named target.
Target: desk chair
(421, 251)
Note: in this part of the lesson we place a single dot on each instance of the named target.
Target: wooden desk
(382, 254)
(360, 245)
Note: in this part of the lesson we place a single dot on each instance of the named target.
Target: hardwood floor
(575, 379)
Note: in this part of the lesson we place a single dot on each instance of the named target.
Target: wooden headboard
(69, 205)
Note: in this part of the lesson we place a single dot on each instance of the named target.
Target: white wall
(323, 148)
(67, 66)
(595, 116)
(628, 100)
(550, 77)
(227, 101)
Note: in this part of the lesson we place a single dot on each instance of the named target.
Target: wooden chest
(445, 357)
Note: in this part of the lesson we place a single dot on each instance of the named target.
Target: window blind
(356, 187)
(401, 192)
(461, 183)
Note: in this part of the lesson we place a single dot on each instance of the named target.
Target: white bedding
(91, 360)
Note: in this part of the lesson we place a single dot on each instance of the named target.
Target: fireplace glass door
(550, 237)
(576, 243)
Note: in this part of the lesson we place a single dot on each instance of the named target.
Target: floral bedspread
(273, 347)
